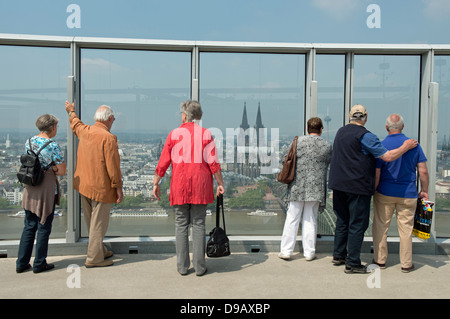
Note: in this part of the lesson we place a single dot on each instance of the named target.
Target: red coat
(192, 152)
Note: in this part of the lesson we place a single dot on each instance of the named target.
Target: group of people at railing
(360, 166)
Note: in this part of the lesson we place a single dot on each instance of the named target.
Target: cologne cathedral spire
(244, 124)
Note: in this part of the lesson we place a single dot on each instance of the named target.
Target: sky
(295, 21)
(306, 21)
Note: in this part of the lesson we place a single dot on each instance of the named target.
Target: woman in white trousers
(307, 192)
(310, 210)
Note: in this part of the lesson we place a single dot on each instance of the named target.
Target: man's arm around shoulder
(394, 154)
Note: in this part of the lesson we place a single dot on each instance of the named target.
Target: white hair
(393, 125)
(103, 113)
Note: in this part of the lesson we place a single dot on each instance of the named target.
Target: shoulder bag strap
(39, 151)
(43, 146)
(219, 202)
(31, 148)
(223, 214)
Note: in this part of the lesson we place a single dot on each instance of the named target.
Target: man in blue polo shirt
(396, 189)
(352, 179)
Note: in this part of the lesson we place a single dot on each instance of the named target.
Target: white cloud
(339, 9)
(100, 63)
(268, 85)
(437, 9)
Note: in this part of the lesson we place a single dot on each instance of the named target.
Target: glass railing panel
(32, 83)
(442, 205)
(264, 94)
(144, 89)
(387, 84)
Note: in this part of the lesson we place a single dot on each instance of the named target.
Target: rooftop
(243, 275)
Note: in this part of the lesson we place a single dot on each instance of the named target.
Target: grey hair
(103, 113)
(45, 122)
(360, 119)
(394, 125)
(192, 109)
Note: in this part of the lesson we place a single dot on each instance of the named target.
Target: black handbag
(218, 244)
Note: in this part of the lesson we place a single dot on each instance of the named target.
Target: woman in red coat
(191, 151)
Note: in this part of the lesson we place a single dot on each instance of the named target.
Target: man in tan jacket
(97, 177)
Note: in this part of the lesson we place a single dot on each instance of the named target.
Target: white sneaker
(310, 258)
(283, 256)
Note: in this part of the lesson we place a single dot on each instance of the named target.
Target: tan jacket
(97, 174)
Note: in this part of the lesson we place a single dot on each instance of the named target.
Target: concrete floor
(239, 276)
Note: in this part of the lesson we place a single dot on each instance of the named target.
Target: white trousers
(309, 228)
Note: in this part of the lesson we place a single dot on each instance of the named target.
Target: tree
(442, 204)
(252, 199)
(132, 201)
(4, 203)
(164, 201)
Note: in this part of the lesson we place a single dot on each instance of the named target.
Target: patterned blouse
(51, 154)
(310, 182)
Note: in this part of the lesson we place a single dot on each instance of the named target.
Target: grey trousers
(186, 215)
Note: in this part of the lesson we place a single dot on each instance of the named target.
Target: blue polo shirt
(398, 178)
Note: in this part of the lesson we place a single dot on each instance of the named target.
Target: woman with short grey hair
(192, 110)
(45, 123)
(39, 201)
(191, 185)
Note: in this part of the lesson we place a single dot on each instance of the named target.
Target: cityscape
(249, 193)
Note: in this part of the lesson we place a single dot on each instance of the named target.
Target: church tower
(8, 142)
(242, 168)
(259, 124)
(244, 123)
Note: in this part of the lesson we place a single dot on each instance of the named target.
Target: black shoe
(355, 269)
(408, 269)
(44, 267)
(21, 270)
(382, 266)
(338, 261)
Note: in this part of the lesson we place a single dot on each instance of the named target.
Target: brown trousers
(384, 207)
(96, 215)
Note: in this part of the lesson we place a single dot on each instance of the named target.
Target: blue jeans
(352, 212)
(31, 226)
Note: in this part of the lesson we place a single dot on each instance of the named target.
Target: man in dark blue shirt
(396, 190)
(352, 179)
